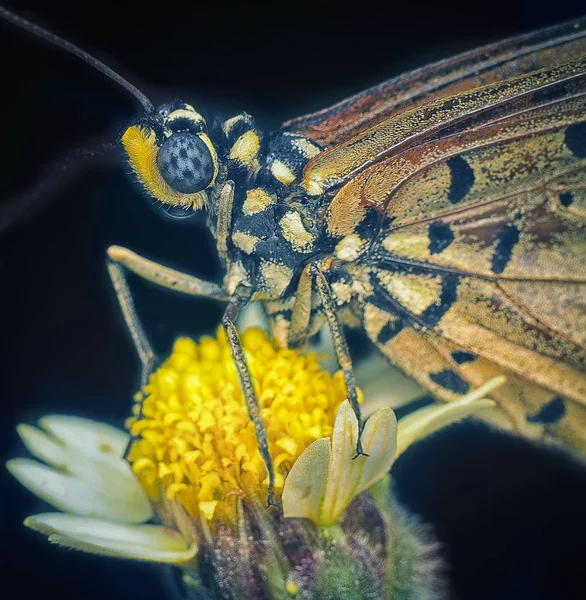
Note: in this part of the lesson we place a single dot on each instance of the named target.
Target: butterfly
(472, 173)
(443, 212)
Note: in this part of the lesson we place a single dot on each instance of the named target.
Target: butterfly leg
(229, 322)
(340, 345)
(298, 330)
(139, 338)
(120, 259)
(166, 277)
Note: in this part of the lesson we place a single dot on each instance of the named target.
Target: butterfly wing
(448, 371)
(470, 215)
(481, 66)
(497, 285)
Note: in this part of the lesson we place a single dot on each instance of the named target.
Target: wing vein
(456, 211)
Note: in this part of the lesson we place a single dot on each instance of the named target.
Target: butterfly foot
(359, 450)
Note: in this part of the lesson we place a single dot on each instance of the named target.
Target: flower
(189, 486)
(194, 443)
(103, 504)
(328, 475)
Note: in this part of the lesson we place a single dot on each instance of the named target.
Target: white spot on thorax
(295, 233)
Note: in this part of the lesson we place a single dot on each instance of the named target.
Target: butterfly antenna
(73, 49)
(27, 204)
(24, 206)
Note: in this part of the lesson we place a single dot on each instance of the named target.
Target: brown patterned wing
(479, 67)
(527, 408)
(482, 111)
(479, 264)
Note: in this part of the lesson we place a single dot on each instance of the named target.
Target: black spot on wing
(575, 139)
(432, 315)
(462, 179)
(389, 331)
(327, 243)
(506, 242)
(551, 412)
(339, 277)
(448, 295)
(440, 237)
(450, 380)
(384, 302)
(381, 298)
(566, 199)
(462, 357)
(369, 225)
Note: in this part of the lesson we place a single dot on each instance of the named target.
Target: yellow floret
(193, 440)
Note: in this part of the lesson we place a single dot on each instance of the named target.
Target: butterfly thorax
(273, 226)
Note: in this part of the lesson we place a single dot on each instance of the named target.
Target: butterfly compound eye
(185, 163)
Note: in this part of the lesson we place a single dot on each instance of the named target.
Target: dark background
(510, 517)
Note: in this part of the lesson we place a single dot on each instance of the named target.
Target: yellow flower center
(193, 439)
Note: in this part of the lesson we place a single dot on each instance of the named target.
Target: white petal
(306, 482)
(142, 542)
(97, 466)
(344, 473)
(78, 461)
(42, 446)
(99, 493)
(425, 421)
(328, 475)
(384, 385)
(86, 435)
(379, 440)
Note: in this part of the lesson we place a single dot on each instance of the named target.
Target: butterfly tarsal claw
(360, 452)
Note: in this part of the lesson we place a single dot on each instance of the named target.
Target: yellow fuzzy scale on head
(141, 147)
(193, 440)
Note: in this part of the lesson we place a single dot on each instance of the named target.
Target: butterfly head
(173, 157)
